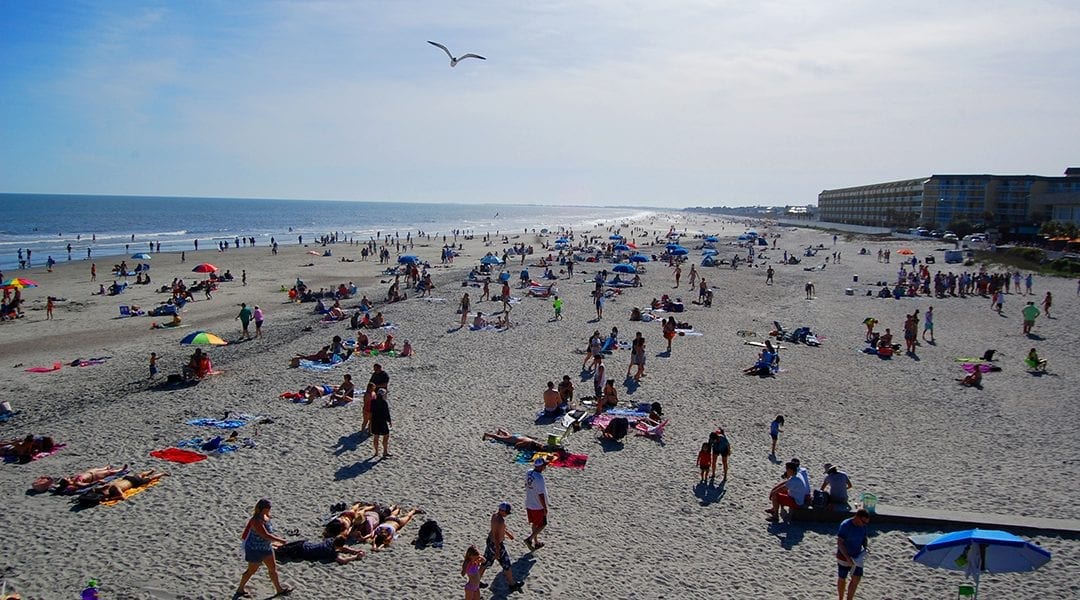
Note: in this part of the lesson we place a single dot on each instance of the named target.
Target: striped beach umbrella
(202, 338)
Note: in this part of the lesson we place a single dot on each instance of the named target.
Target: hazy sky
(659, 103)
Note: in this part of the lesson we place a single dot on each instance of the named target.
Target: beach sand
(633, 524)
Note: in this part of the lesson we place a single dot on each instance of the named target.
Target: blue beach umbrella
(141, 256)
(621, 248)
(491, 259)
(712, 238)
(977, 551)
(672, 246)
(708, 251)
(408, 259)
(680, 251)
(639, 258)
(615, 237)
(624, 268)
(562, 240)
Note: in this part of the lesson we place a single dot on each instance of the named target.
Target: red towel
(56, 367)
(178, 455)
(570, 461)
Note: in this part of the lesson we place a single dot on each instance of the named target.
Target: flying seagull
(455, 61)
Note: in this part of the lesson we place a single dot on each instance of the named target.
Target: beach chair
(125, 311)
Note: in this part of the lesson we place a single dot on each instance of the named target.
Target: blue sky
(662, 104)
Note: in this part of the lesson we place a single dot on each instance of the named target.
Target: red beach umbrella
(205, 268)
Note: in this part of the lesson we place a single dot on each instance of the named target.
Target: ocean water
(47, 224)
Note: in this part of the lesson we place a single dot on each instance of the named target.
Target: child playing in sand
(704, 461)
(470, 568)
(153, 364)
(557, 304)
(774, 432)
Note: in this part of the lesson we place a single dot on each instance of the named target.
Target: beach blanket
(90, 362)
(219, 423)
(688, 332)
(178, 455)
(56, 448)
(129, 493)
(314, 365)
(5, 417)
(219, 447)
(487, 328)
(567, 461)
(55, 367)
(603, 420)
(984, 367)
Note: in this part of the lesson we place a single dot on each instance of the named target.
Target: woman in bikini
(77, 483)
(385, 532)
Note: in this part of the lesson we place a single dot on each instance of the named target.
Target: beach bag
(430, 534)
(820, 500)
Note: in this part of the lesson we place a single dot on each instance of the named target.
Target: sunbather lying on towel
(24, 449)
(521, 442)
(74, 484)
(115, 490)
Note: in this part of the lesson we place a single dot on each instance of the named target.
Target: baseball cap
(505, 507)
(539, 462)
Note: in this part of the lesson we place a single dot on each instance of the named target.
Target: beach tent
(708, 251)
(762, 241)
(491, 259)
(708, 261)
(408, 259)
(141, 256)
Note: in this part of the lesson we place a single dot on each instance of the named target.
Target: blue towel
(226, 424)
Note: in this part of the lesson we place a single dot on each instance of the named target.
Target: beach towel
(570, 461)
(314, 365)
(129, 493)
(487, 328)
(56, 448)
(219, 423)
(984, 367)
(688, 332)
(5, 417)
(56, 367)
(603, 420)
(216, 444)
(178, 455)
(90, 362)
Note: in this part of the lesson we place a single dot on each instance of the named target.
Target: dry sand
(633, 524)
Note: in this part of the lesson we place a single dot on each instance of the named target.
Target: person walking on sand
(245, 318)
(769, 276)
(928, 325)
(678, 275)
(49, 305)
(704, 457)
(93, 268)
(1047, 301)
(495, 549)
(719, 447)
(506, 296)
(774, 432)
(153, 365)
(668, 329)
(1030, 312)
(259, 541)
(259, 317)
(536, 503)
(557, 304)
(851, 550)
(809, 290)
(1028, 282)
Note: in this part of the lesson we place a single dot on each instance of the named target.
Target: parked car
(949, 237)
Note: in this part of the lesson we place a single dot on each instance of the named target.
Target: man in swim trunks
(496, 547)
(116, 489)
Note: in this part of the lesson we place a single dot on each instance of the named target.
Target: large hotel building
(938, 200)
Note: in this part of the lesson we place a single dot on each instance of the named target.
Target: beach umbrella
(202, 338)
(709, 251)
(18, 282)
(905, 251)
(205, 268)
(621, 248)
(491, 259)
(562, 240)
(624, 268)
(752, 233)
(712, 239)
(672, 246)
(639, 258)
(141, 256)
(977, 551)
(680, 251)
(615, 236)
(408, 259)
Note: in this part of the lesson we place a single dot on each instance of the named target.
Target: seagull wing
(464, 56)
(438, 45)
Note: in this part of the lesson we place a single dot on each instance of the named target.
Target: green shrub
(1034, 255)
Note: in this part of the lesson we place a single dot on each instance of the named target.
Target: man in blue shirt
(850, 553)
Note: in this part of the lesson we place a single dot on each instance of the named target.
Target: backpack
(430, 534)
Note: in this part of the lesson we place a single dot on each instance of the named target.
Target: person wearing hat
(850, 553)
(496, 546)
(838, 483)
(536, 502)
